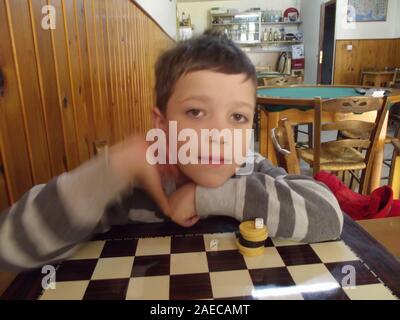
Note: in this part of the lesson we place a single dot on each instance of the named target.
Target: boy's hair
(210, 51)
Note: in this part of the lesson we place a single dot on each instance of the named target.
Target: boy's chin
(207, 179)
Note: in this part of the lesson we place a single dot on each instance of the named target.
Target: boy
(203, 83)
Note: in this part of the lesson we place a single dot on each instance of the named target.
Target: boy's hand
(128, 161)
(182, 206)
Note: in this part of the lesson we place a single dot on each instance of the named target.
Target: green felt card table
(296, 104)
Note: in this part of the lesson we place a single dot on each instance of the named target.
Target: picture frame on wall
(367, 10)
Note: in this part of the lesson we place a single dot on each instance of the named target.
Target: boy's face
(210, 100)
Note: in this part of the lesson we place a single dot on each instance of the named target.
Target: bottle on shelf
(270, 35)
(265, 35)
(189, 21)
(281, 34)
(276, 36)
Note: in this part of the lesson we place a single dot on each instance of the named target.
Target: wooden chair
(283, 81)
(394, 121)
(394, 179)
(366, 69)
(395, 83)
(343, 155)
(287, 81)
(285, 147)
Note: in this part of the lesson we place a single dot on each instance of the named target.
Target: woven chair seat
(358, 134)
(335, 158)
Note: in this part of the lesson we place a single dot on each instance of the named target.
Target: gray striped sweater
(51, 221)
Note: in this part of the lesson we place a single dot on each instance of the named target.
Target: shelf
(262, 50)
(223, 24)
(282, 23)
(223, 14)
(282, 42)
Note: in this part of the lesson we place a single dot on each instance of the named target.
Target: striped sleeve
(296, 208)
(50, 221)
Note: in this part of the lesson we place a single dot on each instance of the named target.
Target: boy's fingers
(152, 184)
(190, 222)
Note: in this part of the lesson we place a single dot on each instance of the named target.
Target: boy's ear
(159, 121)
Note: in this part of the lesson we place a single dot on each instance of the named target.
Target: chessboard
(186, 266)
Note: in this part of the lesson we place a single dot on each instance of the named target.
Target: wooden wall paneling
(124, 67)
(133, 48)
(112, 94)
(124, 101)
(131, 90)
(115, 73)
(118, 82)
(379, 53)
(49, 96)
(87, 86)
(137, 70)
(4, 196)
(146, 62)
(98, 13)
(66, 101)
(398, 54)
(96, 69)
(94, 77)
(13, 142)
(109, 72)
(142, 69)
(103, 22)
(89, 80)
(76, 78)
(24, 56)
(128, 67)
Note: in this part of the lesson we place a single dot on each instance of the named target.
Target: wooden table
(386, 231)
(294, 103)
(164, 261)
(377, 78)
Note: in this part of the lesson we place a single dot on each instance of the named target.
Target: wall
(367, 30)
(91, 79)
(348, 71)
(311, 12)
(397, 27)
(198, 10)
(366, 53)
(383, 51)
(162, 11)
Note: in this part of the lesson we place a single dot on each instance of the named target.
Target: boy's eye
(195, 113)
(239, 118)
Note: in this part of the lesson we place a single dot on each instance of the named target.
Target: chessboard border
(382, 263)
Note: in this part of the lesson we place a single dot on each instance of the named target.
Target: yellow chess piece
(251, 240)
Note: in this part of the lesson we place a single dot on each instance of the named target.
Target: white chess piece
(259, 223)
(214, 245)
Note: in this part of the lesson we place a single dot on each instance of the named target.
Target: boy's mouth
(213, 161)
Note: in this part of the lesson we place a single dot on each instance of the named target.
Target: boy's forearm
(51, 220)
(294, 207)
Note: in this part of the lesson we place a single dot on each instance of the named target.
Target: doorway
(327, 42)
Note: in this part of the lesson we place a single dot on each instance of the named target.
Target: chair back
(282, 81)
(356, 105)
(285, 147)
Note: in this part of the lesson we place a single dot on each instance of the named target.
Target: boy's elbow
(325, 218)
